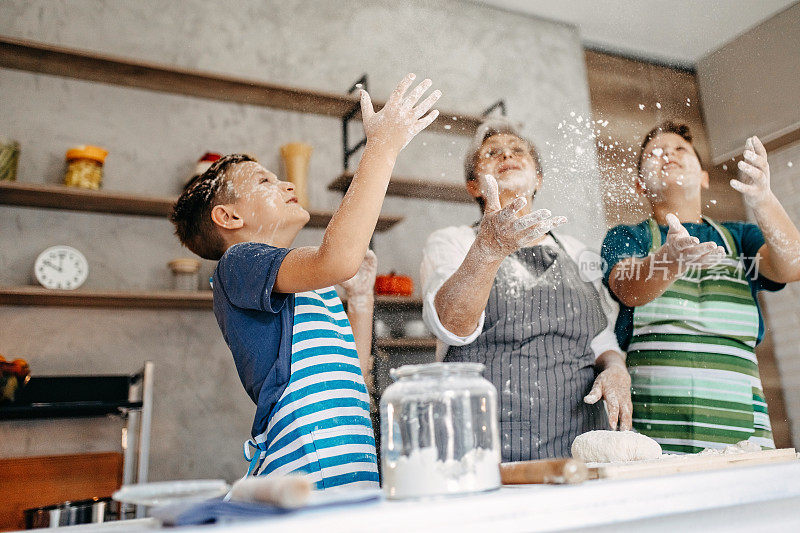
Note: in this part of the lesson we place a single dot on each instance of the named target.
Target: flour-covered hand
(402, 117)
(362, 284)
(686, 251)
(501, 232)
(613, 385)
(753, 182)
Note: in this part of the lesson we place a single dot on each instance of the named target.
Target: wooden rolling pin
(555, 471)
(289, 492)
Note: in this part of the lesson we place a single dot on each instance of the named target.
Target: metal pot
(91, 511)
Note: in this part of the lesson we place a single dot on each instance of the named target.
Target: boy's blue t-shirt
(623, 241)
(256, 322)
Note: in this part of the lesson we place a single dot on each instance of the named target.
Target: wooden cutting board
(687, 463)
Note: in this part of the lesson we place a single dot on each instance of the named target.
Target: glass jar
(85, 167)
(439, 431)
(9, 159)
(185, 273)
(296, 157)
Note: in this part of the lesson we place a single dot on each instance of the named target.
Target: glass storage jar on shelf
(439, 431)
(185, 273)
(85, 167)
(9, 158)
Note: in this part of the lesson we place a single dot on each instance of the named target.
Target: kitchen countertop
(735, 497)
(755, 498)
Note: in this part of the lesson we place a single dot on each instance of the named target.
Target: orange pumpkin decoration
(394, 285)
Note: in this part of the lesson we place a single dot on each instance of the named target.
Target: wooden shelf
(41, 58)
(75, 199)
(407, 343)
(40, 296)
(398, 302)
(413, 188)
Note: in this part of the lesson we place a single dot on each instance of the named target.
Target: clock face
(61, 267)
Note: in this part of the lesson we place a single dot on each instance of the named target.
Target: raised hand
(501, 233)
(363, 283)
(360, 305)
(686, 251)
(402, 117)
(754, 180)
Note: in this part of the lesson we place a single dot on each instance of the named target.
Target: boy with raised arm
(689, 317)
(294, 349)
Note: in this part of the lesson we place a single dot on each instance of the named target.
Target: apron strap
(655, 233)
(558, 241)
(727, 238)
(254, 453)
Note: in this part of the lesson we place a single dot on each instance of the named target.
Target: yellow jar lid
(94, 153)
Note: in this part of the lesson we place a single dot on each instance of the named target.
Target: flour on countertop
(743, 446)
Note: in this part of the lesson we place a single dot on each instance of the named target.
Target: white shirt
(444, 252)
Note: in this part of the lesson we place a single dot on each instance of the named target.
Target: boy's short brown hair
(487, 129)
(668, 126)
(191, 214)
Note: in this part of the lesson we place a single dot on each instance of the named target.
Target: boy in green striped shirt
(687, 286)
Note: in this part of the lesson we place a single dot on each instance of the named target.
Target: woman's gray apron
(540, 320)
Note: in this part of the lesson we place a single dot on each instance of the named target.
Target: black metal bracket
(500, 104)
(360, 83)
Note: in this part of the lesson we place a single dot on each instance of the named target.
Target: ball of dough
(611, 446)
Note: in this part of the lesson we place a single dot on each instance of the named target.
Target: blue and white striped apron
(320, 426)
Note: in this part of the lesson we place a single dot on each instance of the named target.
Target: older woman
(507, 292)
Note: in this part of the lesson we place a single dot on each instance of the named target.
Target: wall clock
(61, 267)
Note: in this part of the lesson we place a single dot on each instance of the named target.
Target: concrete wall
(751, 85)
(475, 55)
(782, 311)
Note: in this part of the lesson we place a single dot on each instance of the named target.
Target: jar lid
(184, 265)
(436, 369)
(94, 153)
